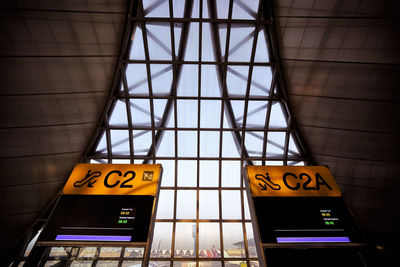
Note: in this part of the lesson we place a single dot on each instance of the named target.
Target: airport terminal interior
(204, 88)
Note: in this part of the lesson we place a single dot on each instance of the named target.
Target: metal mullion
(268, 116)
(128, 28)
(209, 20)
(287, 138)
(272, 40)
(146, 128)
(149, 82)
(104, 156)
(222, 71)
(176, 74)
(198, 134)
(256, 98)
(128, 112)
(192, 62)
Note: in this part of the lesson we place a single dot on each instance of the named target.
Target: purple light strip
(312, 239)
(94, 238)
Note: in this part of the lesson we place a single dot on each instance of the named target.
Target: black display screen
(305, 219)
(100, 218)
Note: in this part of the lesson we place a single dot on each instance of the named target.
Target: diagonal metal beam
(221, 71)
(175, 79)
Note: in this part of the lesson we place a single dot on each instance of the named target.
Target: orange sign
(292, 181)
(113, 179)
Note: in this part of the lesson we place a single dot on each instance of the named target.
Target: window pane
(185, 239)
(231, 173)
(159, 41)
(165, 209)
(251, 244)
(209, 144)
(131, 264)
(161, 78)
(187, 144)
(209, 240)
(231, 204)
(209, 81)
(209, 172)
(167, 145)
(81, 263)
(110, 252)
(187, 113)
(168, 175)
(162, 239)
(208, 204)
(188, 83)
(134, 252)
(187, 173)
(233, 240)
(186, 204)
(87, 252)
(107, 263)
(210, 111)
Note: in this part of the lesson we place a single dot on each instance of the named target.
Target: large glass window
(195, 95)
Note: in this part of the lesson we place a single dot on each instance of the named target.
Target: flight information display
(305, 220)
(100, 218)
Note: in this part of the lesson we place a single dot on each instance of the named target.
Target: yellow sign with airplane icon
(292, 181)
(114, 179)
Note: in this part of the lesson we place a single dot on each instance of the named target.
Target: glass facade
(197, 90)
(199, 93)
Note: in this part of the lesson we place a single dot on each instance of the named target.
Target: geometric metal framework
(199, 90)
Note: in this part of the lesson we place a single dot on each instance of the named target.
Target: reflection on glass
(107, 264)
(186, 204)
(51, 263)
(87, 252)
(209, 241)
(110, 252)
(208, 204)
(81, 263)
(131, 264)
(210, 264)
(231, 204)
(254, 264)
(209, 172)
(236, 264)
(60, 251)
(185, 240)
(133, 252)
(160, 263)
(233, 240)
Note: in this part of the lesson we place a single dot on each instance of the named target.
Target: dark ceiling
(341, 63)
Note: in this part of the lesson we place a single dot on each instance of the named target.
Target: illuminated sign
(113, 179)
(292, 181)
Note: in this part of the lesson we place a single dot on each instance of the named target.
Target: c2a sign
(113, 179)
(292, 181)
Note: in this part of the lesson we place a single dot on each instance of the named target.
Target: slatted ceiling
(57, 67)
(347, 114)
(327, 79)
(350, 40)
(117, 6)
(341, 63)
